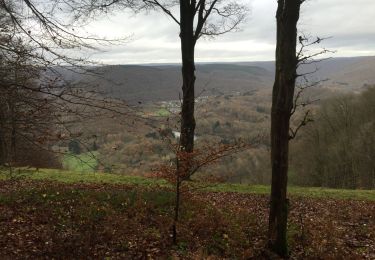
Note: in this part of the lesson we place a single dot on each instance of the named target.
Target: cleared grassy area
(85, 162)
(91, 177)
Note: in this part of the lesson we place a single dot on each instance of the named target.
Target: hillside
(135, 83)
(358, 73)
(150, 83)
(353, 72)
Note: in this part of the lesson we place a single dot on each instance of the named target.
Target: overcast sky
(351, 24)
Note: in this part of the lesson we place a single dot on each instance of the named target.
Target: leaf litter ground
(44, 220)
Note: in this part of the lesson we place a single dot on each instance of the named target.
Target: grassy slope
(76, 177)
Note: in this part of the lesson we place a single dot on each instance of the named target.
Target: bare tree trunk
(188, 75)
(282, 103)
(187, 12)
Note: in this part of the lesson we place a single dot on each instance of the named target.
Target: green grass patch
(162, 112)
(92, 177)
(86, 177)
(115, 198)
(86, 162)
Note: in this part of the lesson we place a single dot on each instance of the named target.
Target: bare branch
(304, 121)
(163, 8)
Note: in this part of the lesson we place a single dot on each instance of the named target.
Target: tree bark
(188, 41)
(282, 103)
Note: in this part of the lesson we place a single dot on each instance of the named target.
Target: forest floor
(62, 216)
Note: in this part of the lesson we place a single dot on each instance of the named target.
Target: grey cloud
(350, 23)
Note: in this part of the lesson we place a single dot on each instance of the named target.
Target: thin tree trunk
(2, 142)
(2, 148)
(13, 155)
(282, 103)
(176, 211)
